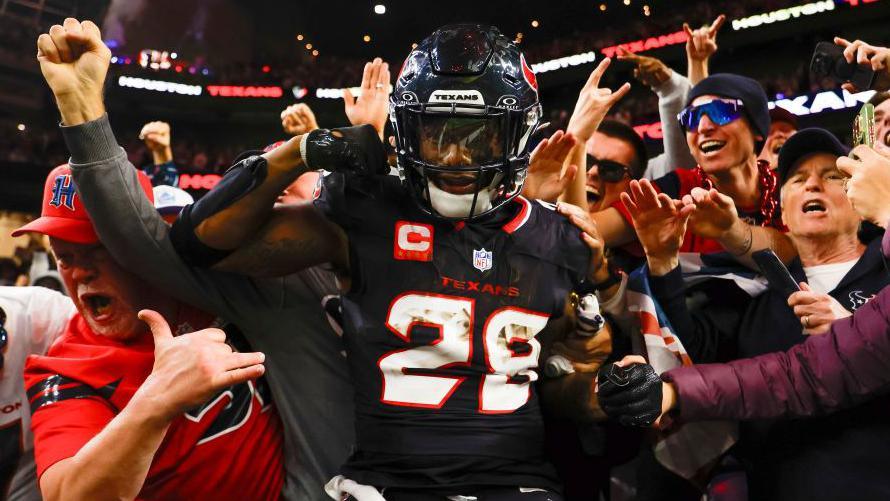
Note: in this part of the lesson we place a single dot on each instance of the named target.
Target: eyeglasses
(608, 170)
(721, 112)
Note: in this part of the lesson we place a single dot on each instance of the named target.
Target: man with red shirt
(121, 412)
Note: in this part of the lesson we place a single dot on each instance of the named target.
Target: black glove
(630, 394)
(349, 149)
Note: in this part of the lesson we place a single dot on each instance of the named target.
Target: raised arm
(671, 89)
(547, 177)
(701, 44)
(590, 110)
(371, 107)
(107, 183)
(238, 215)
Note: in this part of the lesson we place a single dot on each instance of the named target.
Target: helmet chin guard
(463, 109)
(454, 206)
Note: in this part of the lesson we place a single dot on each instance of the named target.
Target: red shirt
(677, 184)
(229, 449)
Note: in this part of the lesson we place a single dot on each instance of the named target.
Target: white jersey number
(407, 378)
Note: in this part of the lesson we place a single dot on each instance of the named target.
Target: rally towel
(688, 450)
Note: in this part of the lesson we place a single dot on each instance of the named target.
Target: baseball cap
(62, 214)
(170, 200)
(779, 114)
(806, 142)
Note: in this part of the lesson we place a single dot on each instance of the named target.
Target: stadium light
(379, 9)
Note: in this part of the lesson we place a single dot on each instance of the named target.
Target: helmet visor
(458, 141)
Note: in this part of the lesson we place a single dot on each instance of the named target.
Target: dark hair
(624, 132)
(879, 98)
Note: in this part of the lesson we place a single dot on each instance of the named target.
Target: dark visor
(457, 141)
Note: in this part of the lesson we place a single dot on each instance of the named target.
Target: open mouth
(458, 184)
(711, 146)
(887, 138)
(99, 305)
(813, 206)
(778, 146)
(592, 194)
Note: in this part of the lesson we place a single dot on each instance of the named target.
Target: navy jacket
(841, 456)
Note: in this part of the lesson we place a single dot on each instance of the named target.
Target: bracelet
(614, 278)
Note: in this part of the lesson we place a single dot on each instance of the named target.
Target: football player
(448, 275)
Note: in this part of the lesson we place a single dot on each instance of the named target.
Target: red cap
(62, 215)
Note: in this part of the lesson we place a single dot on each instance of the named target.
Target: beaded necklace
(768, 183)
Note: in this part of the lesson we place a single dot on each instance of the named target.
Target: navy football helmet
(464, 106)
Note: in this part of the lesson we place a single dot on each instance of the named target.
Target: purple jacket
(840, 369)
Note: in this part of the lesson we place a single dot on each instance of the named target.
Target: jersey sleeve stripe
(57, 388)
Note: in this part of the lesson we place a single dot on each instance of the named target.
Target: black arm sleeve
(242, 178)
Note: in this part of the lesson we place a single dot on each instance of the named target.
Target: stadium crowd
(447, 300)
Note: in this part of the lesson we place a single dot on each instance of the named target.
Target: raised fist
(298, 119)
(355, 149)
(74, 62)
(155, 135)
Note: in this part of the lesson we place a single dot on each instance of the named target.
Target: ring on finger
(806, 321)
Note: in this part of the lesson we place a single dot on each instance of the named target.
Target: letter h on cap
(63, 192)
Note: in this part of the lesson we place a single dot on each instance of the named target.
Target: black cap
(779, 114)
(806, 142)
(742, 88)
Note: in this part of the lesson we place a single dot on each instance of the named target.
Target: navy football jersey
(440, 330)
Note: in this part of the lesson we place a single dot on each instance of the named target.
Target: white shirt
(826, 277)
(35, 317)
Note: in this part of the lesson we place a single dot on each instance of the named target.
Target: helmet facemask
(463, 161)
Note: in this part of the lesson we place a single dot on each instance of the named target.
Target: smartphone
(776, 273)
(828, 61)
(864, 126)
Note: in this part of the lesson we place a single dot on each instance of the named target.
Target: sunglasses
(719, 111)
(608, 170)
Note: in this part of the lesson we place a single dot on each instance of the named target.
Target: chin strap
(451, 205)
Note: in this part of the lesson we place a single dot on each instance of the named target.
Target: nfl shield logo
(482, 259)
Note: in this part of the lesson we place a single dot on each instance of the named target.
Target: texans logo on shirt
(857, 299)
(235, 412)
